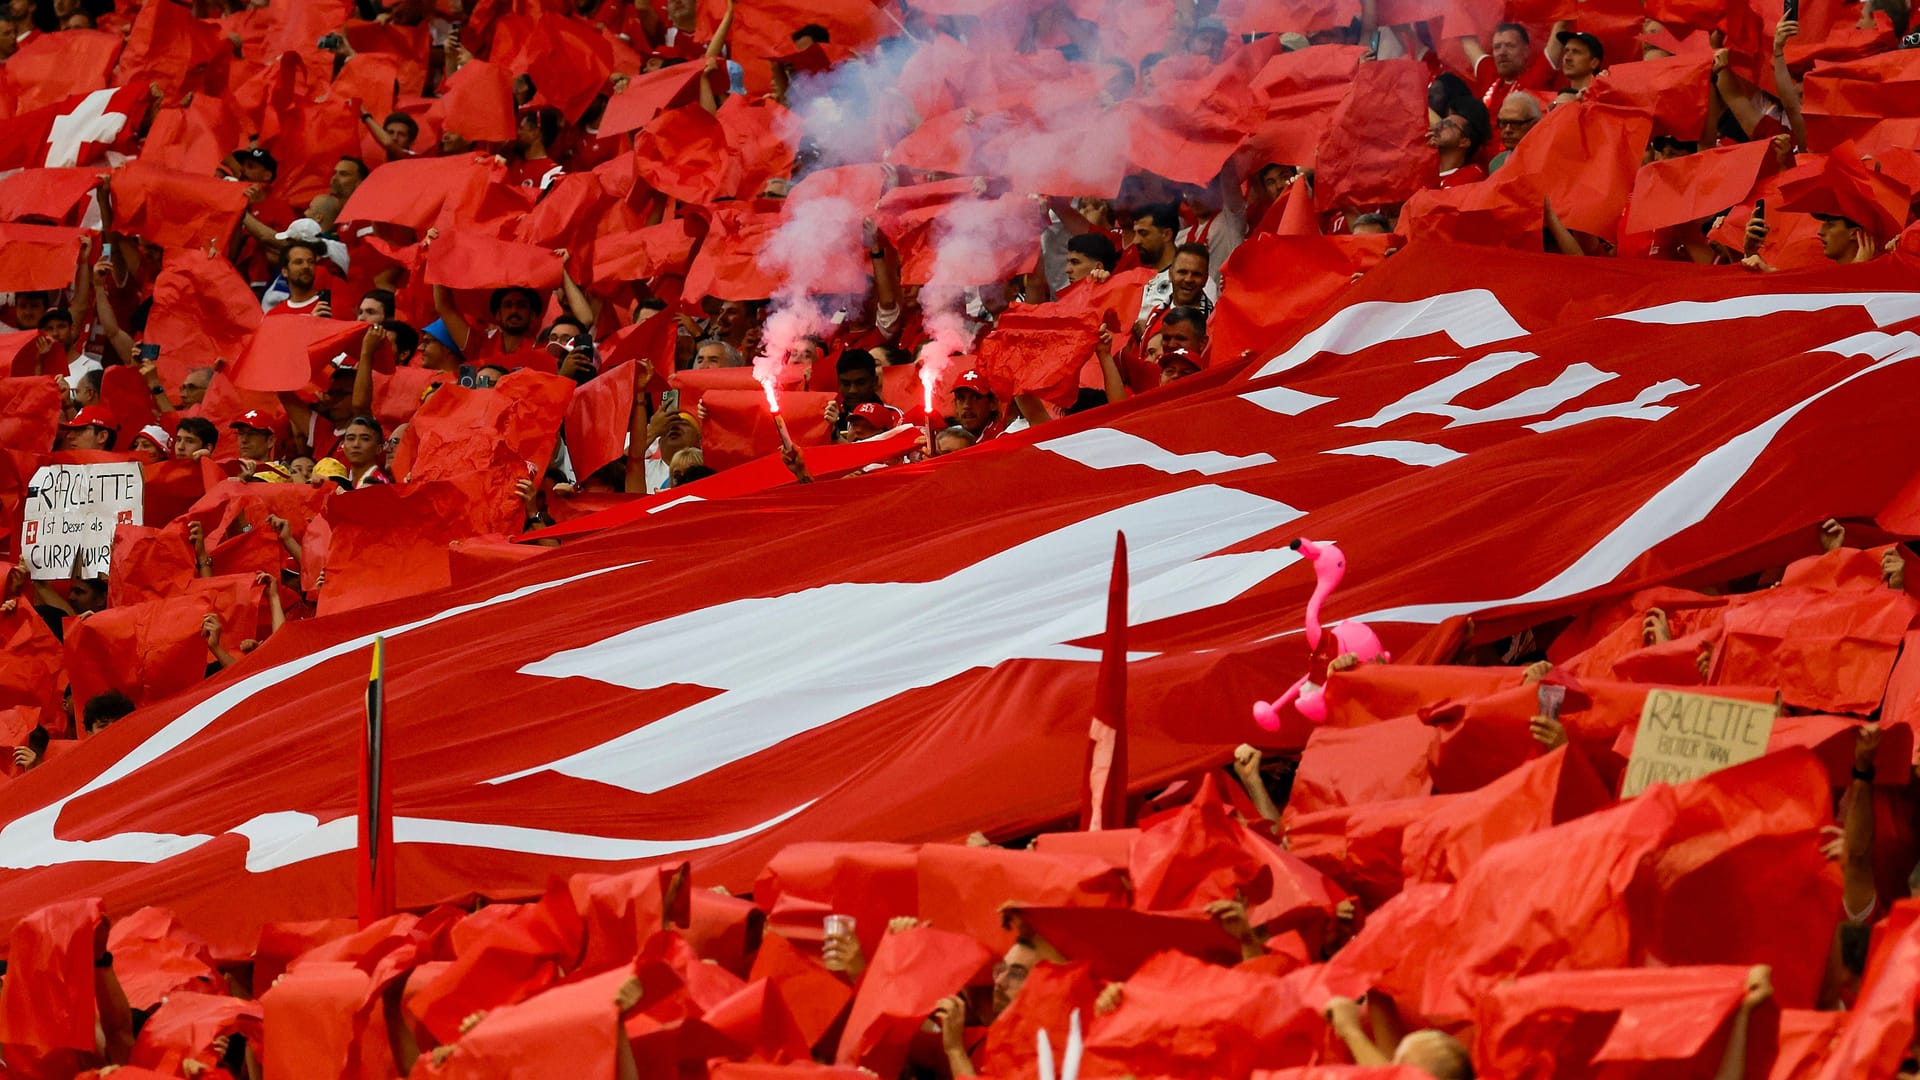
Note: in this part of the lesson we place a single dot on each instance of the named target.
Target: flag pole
(1105, 803)
(373, 865)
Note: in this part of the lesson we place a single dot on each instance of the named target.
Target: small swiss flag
(31, 534)
(78, 131)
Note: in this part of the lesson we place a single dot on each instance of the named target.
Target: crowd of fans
(585, 246)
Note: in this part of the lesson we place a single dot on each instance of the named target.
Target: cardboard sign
(1685, 736)
(72, 510)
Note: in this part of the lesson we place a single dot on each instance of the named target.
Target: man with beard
(299, 267)
(1513, 65)
(515, 311)
(1154, 228)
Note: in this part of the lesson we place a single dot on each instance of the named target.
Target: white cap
(159, 436)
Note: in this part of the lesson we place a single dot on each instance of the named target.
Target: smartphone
(670, 401)
(147, 351)
(326, 297)
(1551, 697)
(1792, 11)
(1373, 43)
(1760, 210)
(469, 376)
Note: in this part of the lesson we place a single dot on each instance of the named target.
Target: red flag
(738, 427)
(1187, 1018)
(31, 671)
(909, 973)
(1672, 90)
(1880, 1027)
(477, 102)
(1583, 157)
(683, 153)
(1375, 151)
(1032, 350)
(1640, 1018)
(293, 353)
(46, 1001)
(1846, 101)
(599, 419)
(1281, 280)
(29, 412)
(35, 257)
(467, 260)
(414, 192)
(460, 432)
(1847, 186)
(1408, 495)
(729, 265)
(51, 195)
(1294, 99)
(150, 650)
(203, 312)
(649, 95)
(175, 209)
(1683, 189)
(390, 540)
(1105, 806)
(177, 51)
(154, 956)
(639, 254)
(567, 61)
(766, 30)
(49, 68)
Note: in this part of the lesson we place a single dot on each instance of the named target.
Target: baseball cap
(259, 157)
(159, 436)
(1591, 42)
(882, 417)
(329, 468)
(975, 382)
(271, 472)
(1182, 355)
(92, 416)
(687, 416)
(304, 228)
(255, 419)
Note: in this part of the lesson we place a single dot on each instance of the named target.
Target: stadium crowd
(546, 259)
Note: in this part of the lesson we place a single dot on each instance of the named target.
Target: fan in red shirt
(533, 168)
(300, 268)
(1512, 65)
(1456, 138)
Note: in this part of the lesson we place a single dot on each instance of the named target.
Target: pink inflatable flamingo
(1329, 565)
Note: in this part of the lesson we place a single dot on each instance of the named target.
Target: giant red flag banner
(686, 709)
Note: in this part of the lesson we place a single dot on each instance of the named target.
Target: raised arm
(1343, 1015)
(1115, 386)
(363, 371)
(578, 303)
(1856, 865)
(1733, 1066)
(449, 314)
(110, 324)
(715, 61)
(1788, 90)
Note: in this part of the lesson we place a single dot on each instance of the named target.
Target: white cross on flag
(77, 131)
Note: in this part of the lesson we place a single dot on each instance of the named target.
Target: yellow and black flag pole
(373, 866)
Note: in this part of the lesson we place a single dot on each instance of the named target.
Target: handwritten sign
(1685, 736)
(71, 512)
